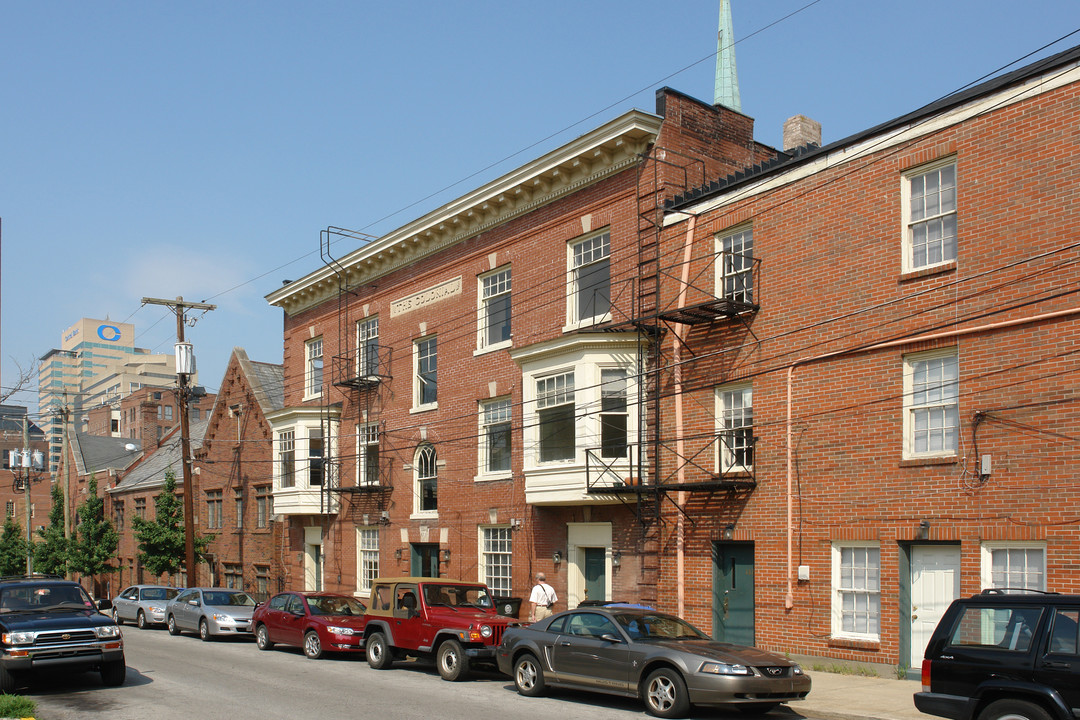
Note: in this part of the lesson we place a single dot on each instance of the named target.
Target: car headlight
(338, 630)
(485, 631)
(222, 618)
(719, 668)
(105, 632)
(796, 670)
(156, 609)
(19, 638)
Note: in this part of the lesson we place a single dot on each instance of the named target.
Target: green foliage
(95, 539)
(50, 555)
(12, 549)
(161, 540)
(16, 706)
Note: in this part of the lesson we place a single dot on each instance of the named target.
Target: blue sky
(196, 149)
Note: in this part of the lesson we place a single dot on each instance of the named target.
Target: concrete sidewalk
(847, 697)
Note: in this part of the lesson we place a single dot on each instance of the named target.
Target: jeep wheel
(378, 653)
(451, 661)
(529, 676)
(113, 673)
(116, 617)
(664, 693)
(312, 645)
(204, 630)
(1013, 710)
(174, 629)
(262, 638)
(7, 681)
(140, 620)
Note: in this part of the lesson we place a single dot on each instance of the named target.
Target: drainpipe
(789, 600)
(676, 346)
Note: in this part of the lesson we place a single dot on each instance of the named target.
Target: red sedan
(316, 621)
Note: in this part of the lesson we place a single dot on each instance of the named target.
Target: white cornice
(578, 343)
(603, 152)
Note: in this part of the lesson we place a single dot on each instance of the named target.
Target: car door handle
(565, 644)
(1057, 665)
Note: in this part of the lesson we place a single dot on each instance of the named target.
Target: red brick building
(461, 395)
(146, 414)
(233, 500)
(866, 376)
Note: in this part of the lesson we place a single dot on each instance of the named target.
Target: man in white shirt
(542, 598)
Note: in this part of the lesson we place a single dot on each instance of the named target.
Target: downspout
(676, 346)
(789, 600)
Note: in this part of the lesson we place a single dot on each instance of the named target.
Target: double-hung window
(735, 425)
(495, 308)
(495, 438)
(367, 555)
(613, 413)
(238, 499)
(367, 348)
(496, 559)
(857, 591)
(425, 378)
(316, 456)
(264, 506)
(313, 371)
(932, 404)
(930, 222)
(427, 480)
(367, 453)
(213, 509)
(590, 279)
(1015, 565)
(555, 414)
(287, 458)
(735, 274)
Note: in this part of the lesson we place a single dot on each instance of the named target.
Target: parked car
(46, 621)
(657, 657)
(453, 622)
(1003, 654)
(142, 604)
(211, 612)
(317, 622)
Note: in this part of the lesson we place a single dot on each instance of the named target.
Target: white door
(935, 582)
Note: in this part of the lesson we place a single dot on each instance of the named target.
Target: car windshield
(158, 593)
(36, 597)
(652, 626)
(457, 596)
(334, 605)
(220, 598)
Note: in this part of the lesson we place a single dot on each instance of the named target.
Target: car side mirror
(611, 638)
(103, 604)
(194, 603)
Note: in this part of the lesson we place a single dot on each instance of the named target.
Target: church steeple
(726, 91)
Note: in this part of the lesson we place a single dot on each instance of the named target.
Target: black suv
(1004, 655)
(49, 622)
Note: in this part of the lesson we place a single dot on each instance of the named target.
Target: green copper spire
(726, 92)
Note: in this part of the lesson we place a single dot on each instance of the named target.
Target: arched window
(427, 481)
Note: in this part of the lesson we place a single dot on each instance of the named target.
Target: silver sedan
(143, 605)
(211, 612)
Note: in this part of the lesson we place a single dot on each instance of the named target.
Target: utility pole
(26, 493)
(67, 480)
(185, 366)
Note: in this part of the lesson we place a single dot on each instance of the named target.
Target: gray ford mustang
(660, 658)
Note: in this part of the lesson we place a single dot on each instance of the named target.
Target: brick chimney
(801, 130)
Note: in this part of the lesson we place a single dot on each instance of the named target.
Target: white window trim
(837, 605)
(986, 559)
(304, 498)
(310, 393)
(416, 405)
(905, 213)
(417, 513)
(571, 285)
(361, 343)
(909, 360)
(482, 472)
(362, 591)
(719, 414)
(481, 315)
(361, 452)
(718, 248)
(481, 568)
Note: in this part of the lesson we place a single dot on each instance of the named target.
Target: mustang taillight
(926, 675)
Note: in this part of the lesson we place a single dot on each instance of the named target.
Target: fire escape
(669, 296)
(360, 371)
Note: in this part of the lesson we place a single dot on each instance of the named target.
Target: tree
(12, 549)
(50, 555)
(95, 540)
(161, 540)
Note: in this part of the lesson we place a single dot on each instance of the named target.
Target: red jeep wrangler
(452, 621)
